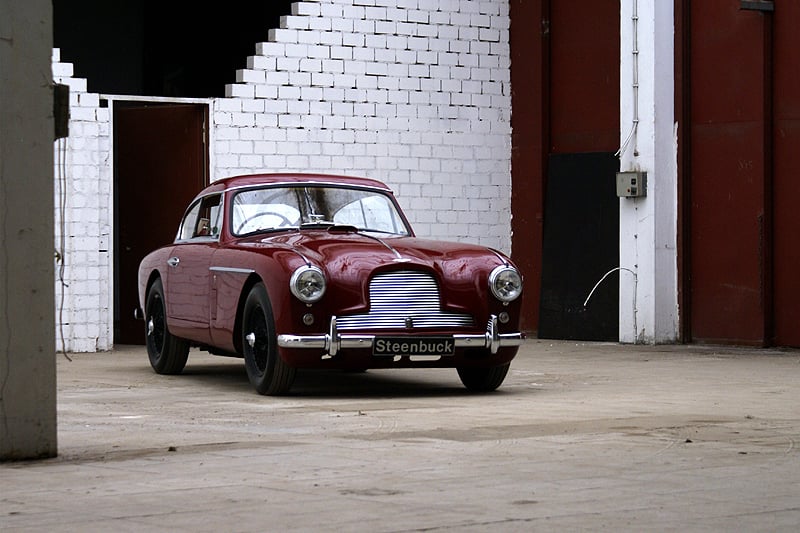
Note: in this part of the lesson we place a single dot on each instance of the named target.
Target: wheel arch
(251, 281)
(151, 279)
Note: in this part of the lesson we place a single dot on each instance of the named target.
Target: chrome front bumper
(332, 342)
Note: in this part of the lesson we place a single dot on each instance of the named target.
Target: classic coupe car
(301, 271)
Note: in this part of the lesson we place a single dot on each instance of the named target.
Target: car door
(188, 280)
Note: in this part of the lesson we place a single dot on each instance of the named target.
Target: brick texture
(84, 279)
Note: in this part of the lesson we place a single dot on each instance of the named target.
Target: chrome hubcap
(251, 339)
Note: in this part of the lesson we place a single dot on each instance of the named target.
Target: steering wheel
(284, 221)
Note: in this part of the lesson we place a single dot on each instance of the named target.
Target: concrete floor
(581, 436)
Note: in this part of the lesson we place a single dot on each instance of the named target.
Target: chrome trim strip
(332, 342)
(500, 257)
(231, 269)
(195, 240)
(386, 244)
(304, 184)
(304, 258)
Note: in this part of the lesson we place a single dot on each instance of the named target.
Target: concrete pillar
(648, 304)
(27, 317)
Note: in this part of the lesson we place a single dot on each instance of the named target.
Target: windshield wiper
(330, 226)
(265, 230)
(344, 228)
(383, 232)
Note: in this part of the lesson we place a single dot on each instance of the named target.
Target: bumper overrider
(333, 341)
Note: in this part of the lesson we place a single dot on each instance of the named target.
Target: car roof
(251, 180)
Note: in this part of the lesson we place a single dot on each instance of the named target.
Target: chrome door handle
(173, 261)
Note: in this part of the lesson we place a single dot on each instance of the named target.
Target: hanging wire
(635, 290)
(61, 245)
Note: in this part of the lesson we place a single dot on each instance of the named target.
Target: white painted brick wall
(371, 87)
(412, 92)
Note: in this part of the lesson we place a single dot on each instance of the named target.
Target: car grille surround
(404, 300)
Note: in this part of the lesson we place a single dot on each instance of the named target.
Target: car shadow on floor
(378, 383)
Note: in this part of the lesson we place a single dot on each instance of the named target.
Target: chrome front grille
(401, 300)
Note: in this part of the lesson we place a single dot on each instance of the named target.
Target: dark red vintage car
(294, 271)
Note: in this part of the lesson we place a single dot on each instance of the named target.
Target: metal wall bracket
(757, 5)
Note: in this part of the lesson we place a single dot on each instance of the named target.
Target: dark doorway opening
(161, 163)
(580, 245)
(151, 48)
(164, 50)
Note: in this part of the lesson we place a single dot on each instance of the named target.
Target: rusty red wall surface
(529, 59)
(584, 76)
(738, 103)
(727, 172)
(744, 91)
(786, 167)
(565, 99)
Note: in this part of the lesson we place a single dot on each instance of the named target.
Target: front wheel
(267, 372)
(483, 379)
(167, 353)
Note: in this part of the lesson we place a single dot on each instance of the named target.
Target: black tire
(167, 353)
(267, 372)
(483, 379)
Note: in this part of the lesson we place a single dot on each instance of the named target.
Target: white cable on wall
(635, 86)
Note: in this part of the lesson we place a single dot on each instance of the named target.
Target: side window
(189, 222)
(202, 219)
(208, 221)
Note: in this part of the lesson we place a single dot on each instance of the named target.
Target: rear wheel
(483, 379)
(267, 372)
(167, 353)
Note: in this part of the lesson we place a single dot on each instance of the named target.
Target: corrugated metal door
(786, 188)
(727, 172)
(565, 96)
(743, 191)
(584, 76)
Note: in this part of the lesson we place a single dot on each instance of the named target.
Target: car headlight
(505, 283)
(308, 284)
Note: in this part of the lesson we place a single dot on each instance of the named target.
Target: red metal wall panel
(584, 76)
(529, 45)
(565, 99)
(727, 134)
(786, 186)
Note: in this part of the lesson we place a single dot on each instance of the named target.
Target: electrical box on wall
(61, 111)
(631, 184)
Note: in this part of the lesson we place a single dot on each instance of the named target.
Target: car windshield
(276, 208)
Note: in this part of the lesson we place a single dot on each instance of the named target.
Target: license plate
(432, 346)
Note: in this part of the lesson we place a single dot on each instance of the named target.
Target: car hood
(356, 255)
(351, 259)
